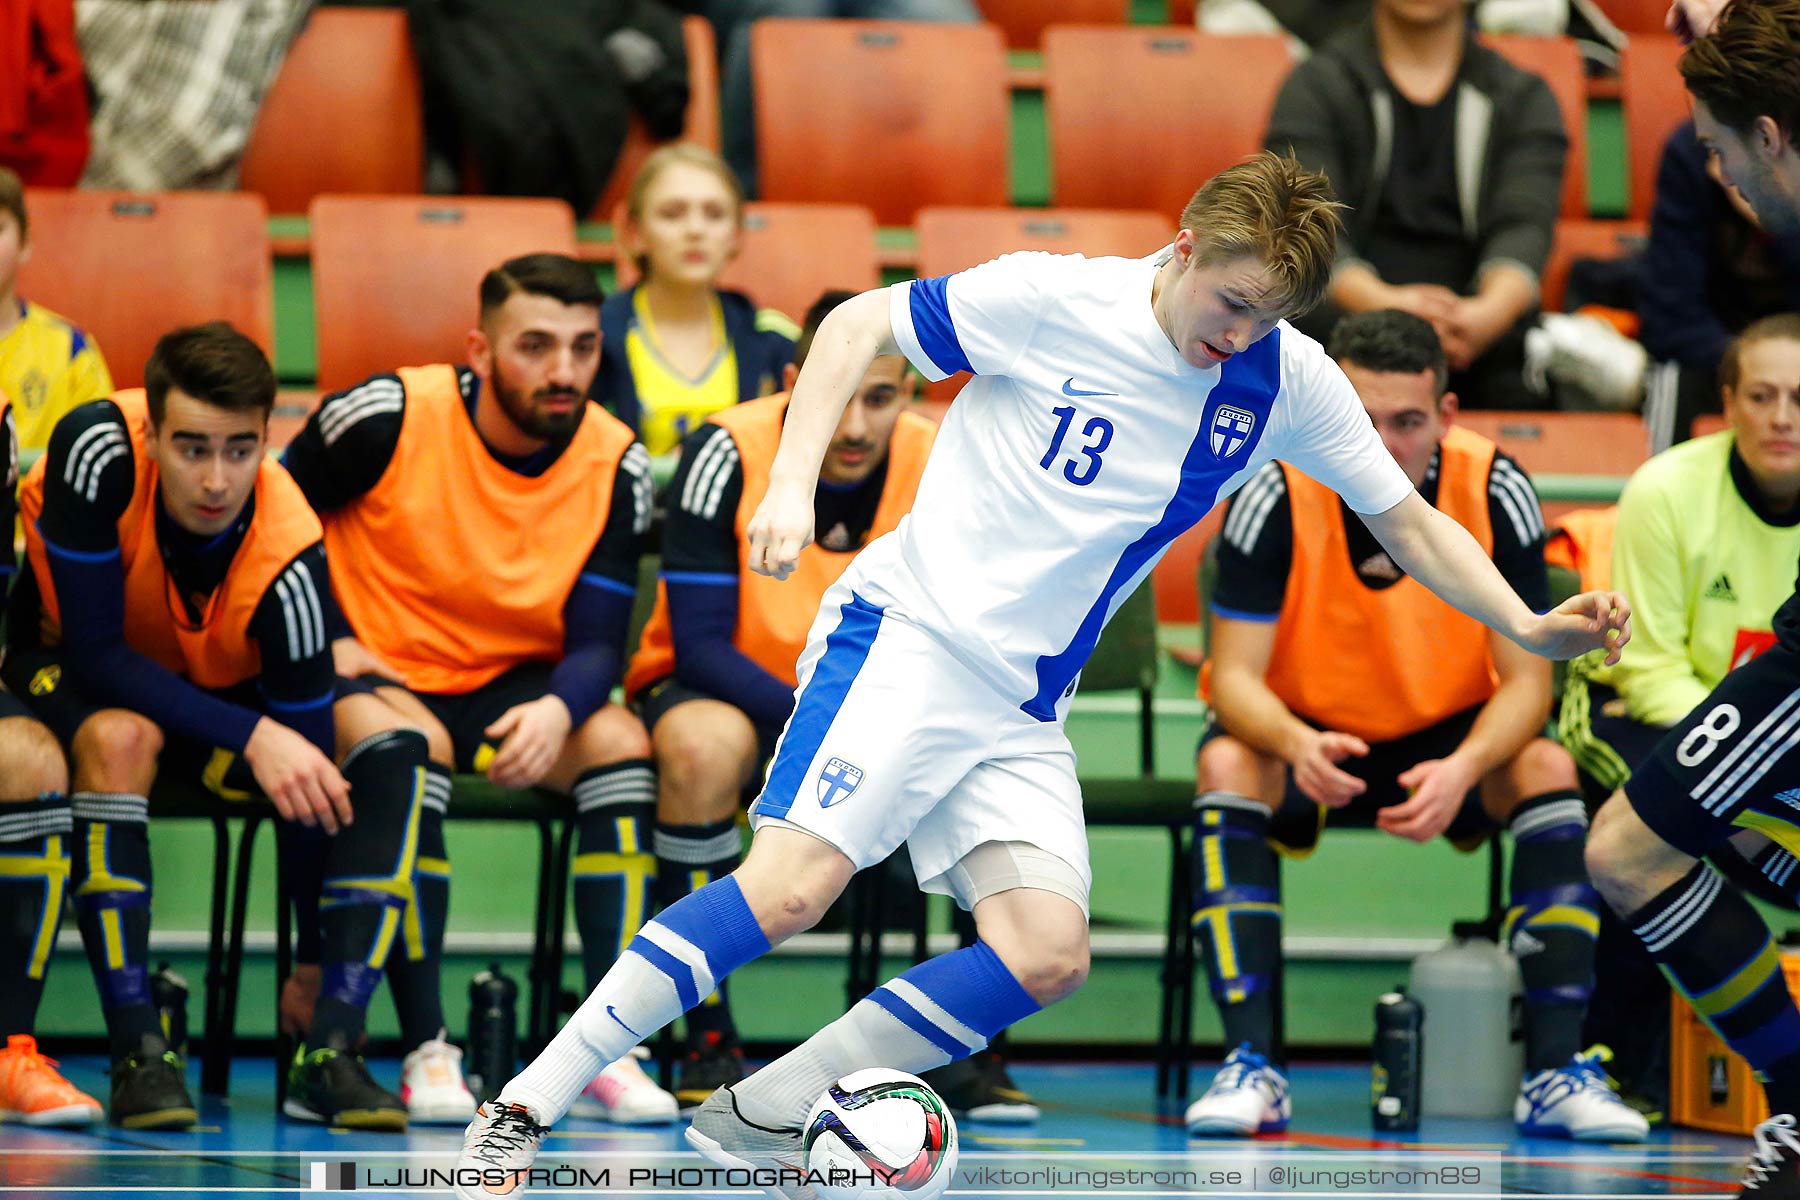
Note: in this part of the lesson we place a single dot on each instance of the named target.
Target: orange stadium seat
(1654, 103)
(701, 125)
(343, 115)
(1586, 239)
(951, 239)
(1707, 423)
(1024, 21)
(130, 266)
(1141, 117)
(394, 277)
(1566, 443)
(791, 253)
(1557, 61)
(919, 114)
(1637, 16)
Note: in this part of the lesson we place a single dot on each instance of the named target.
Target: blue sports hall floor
(1099, 1135)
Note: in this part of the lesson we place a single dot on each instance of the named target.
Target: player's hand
(1473, 324)
(781, 528)
(301, 782)
(351, 659)
(1689, 19)
(1428, 300)
(1590, 621)
(1316, 773)
(1438, 787)
(531, 737)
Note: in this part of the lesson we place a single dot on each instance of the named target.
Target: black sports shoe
(978, 1088)
(335, 1088)
(1774, 1171)
(712, 1062)
(149, 1092)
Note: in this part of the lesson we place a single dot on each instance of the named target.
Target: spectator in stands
(732, 21)
(1451, 159)
(1308, 23)
(1709, 271)
(1385, 703)
(34, 843)
(714, 675)
(485, 522)
(1704, 538)
(47, 364)
(677, 347)
(170, 629)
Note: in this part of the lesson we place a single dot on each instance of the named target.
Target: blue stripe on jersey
(1238, 614)
(1248, 380)
(846, 650)
(607, 585)
(929, 301)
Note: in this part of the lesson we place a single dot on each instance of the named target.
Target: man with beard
(488, 520)
(1730, 764)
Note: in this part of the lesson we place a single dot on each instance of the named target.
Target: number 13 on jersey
(1083, 462)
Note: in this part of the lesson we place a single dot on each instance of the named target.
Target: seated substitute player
(171, 626)
(1729, 764)
(48, 364)
(34, 869)
(713, 676)
(485, 521)
(1424, 722)
(1115, 402)
(1705, 537)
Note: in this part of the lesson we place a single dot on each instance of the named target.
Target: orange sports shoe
(33, 1092)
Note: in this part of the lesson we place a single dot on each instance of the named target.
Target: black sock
(415, 965)
(110, 873)
(688, 857)
(34, 873)
(1718, 953)
(1237, 916)
(1551, 924)
(303, 849)
(368, 881)
(615, 865)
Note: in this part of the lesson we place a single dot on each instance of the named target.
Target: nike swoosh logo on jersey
(622, 1025)
(1069, 389)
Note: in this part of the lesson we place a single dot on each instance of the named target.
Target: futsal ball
(884, 1134)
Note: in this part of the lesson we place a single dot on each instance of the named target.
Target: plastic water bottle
(1474, 999)
(493, 1051)
(1394, 1077)
(169, 995)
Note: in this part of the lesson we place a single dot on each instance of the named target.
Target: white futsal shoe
(1248, 1096)
(501, 1144)
(624, 1095)
(1576, 1101)
(431, 1083)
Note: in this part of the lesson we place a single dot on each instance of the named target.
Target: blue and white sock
(672, 964)
(943, 1009)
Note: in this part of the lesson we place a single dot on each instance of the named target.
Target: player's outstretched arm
(1441, 554)
(848, 340)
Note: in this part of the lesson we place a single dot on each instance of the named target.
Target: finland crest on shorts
(1230, 430)
(837, 780)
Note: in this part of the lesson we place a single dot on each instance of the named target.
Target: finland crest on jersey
(837, 780)
(1231, 428)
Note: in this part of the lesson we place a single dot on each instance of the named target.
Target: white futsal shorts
(893, 739)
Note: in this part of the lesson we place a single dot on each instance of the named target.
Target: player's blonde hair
(660, 160)
(1272, 209)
